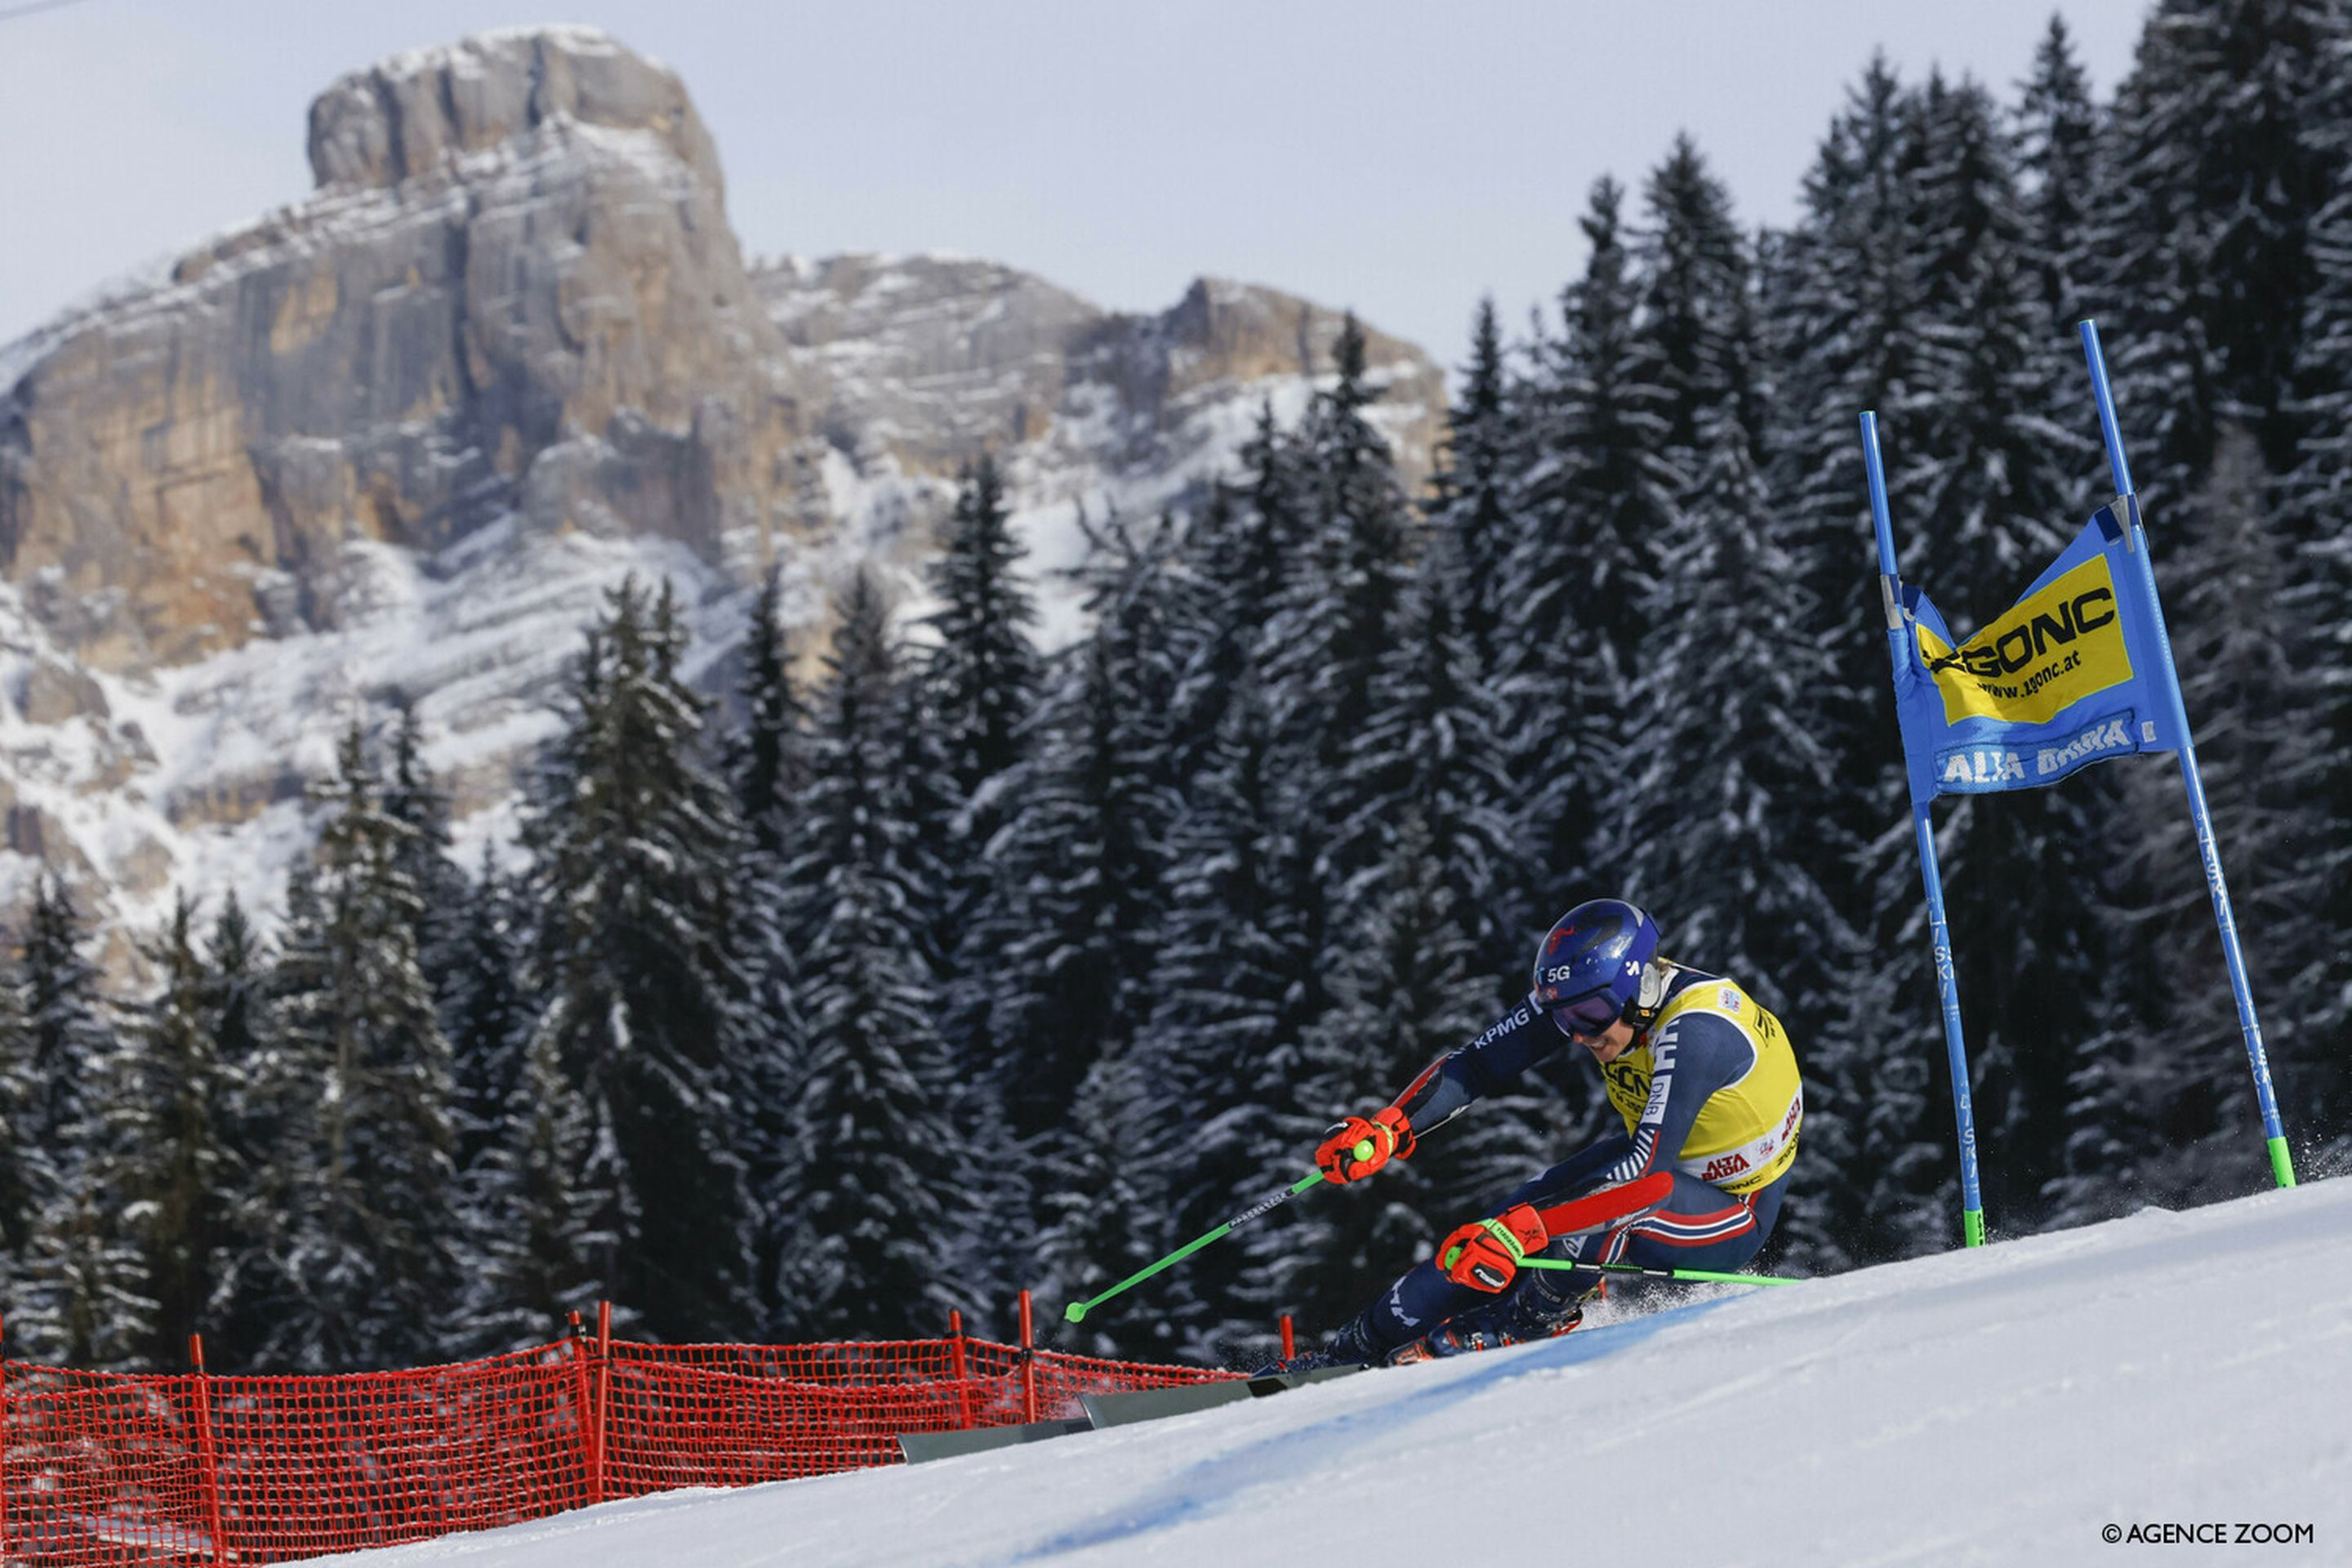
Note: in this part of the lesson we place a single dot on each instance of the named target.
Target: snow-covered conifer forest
(809, 1009)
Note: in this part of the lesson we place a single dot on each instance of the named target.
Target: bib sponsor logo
(1728, 999)
(2051, 650)
(1629, 1082)
(1724, 1168)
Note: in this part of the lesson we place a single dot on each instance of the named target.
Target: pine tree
(1694, 267)
(1991, 470)
(416, 800)
(2316, 505)
(82, 1283)
(2214, 175)
(1593, 496)
(488, 1015)
(1075, 869)
(238, 976)
(770, 765)
(632, 838)
(25, 1174)
(963, 727)
(1429, 747)
(983, 673)
(1235, 976)
(1272, 523)
(67, 1025)
(1329, 626)
(1106, 1212)
(772, 774)
(862, 1251)
(180, 1177)
(1472, 503)
(543, 1253)
(233, 958)
(360, 1256)
(2057, 155)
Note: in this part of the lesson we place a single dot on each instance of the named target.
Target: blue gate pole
(2281, 1160)
(1948, 986)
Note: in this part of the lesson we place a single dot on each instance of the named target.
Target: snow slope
(2003, 1406)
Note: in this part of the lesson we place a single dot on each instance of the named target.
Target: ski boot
(1532, 1311)
(1349, 1347)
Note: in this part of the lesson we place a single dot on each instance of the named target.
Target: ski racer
(1708, 1085)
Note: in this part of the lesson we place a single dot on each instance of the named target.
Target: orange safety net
(680, 1415)
(99, 1467)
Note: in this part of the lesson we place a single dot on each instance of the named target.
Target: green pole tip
(1073, 1312)
(1363, 1148)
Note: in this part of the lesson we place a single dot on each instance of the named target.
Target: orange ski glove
(1357, 1147)
(1485, 1253)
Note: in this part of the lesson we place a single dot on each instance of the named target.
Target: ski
(1157, 1403)
(919, 1447)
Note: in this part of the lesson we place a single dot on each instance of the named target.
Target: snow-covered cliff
(393, 440)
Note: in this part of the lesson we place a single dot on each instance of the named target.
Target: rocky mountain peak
(408, 114)
(516, 291)
(390, 444)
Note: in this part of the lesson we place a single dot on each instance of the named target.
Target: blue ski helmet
(1588, 970)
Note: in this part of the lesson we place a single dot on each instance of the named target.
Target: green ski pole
(1077, 1311)
(1702, 1275)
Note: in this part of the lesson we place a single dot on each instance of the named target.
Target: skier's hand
(1485, 1253)
(1357, 1147)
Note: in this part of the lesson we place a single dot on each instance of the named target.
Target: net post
(207, 1455)
(603, 1396)
(575, 1338)
(1290, 1338)
(1028, 1360)
(959, 1367)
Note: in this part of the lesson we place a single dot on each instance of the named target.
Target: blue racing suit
(1709, 1092)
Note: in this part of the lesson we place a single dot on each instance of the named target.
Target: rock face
(398, 439)
(408, 115)
(514, 289)
(917, 363)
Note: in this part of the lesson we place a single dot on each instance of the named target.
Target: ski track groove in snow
(1215, 1486)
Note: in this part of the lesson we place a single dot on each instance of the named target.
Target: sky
(1399, 158)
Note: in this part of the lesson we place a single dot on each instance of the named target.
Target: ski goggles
(1587, 1015)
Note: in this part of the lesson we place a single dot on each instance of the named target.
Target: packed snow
(2166, 1378)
